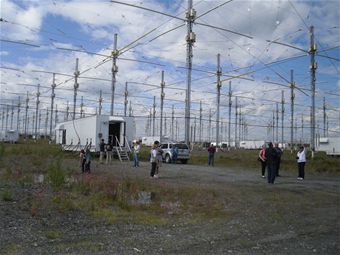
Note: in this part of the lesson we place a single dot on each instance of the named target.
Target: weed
(2, 150)
(55, 175)
(7, 195)
(53, 234)
(10, 249)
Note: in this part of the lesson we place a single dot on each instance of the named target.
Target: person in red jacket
(262, 158)
(211, 153)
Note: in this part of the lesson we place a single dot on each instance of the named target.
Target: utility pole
(56, 115)
(282, 115)
(302, 126)
(18, 115)
(81, 107)
(190, 39)
(165, 125)
(229, 122)
(236, 122)
(195, 130)
(2, 119)
(100, 102)
(76, 86)
(52, 103)
(273, 138)
(218, 85)
(200, 121)
(292, 96)
(125, 98)
(324, 117)
(26, 112)
(154, 116)
(36, 113)
(162, 104)
(39, 124)
(313, 67)
(240, 124)
(114, 71)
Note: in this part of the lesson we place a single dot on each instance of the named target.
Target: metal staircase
(122, 152)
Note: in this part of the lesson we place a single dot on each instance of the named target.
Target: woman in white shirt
(136, 149)
(301, 160)
(153, 160)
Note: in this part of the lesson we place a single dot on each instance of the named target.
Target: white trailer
(331, 145)
(149, 140)
(78, 133)
(252, 145)
(9, 136)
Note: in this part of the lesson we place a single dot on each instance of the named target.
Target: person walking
(88, 159)
(301, 160)
(271, 157)
(101, 151)
(153, 160)
(82, 160)
(278, 162)
(262, 158)
(174, 151)
(136, 149)
(109, 153)
(211, 154)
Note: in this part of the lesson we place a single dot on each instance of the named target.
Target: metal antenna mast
(36, 113)
(67, 111)
(190, 38)
(313, 67)
(46, 123)
(209, 129)
(277, 122)
(76, 86)
(27, 100)
(18, 115)
(324, 117)
(292, 96)
(125, 100)
(114, 71)
(282, 114)
(81, 106)
(7, 110)
(12, 115)
(100, 102)
(52, 103)
(229, 123)
(236, 123)
(162, 102)
(154, 116)
(219, 84)
(172, 122)
(130, 109)
(201, 121)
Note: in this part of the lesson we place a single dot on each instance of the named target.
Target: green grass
(7, 195)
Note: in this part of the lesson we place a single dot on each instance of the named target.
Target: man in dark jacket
(272, 158)
(279, 154)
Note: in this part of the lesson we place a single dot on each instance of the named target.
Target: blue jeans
(211, 159)
(135, 159)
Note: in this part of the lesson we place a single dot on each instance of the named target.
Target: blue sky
(90, 26)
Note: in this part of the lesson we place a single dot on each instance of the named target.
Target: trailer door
(114, 131)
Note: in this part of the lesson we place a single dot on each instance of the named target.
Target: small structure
(77, 134)
(331, 145)
(9, 136)
(252, 144)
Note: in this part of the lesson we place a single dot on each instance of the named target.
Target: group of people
(270, 158)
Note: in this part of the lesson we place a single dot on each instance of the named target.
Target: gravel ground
(307, 225)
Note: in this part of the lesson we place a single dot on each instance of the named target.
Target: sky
(259, 43)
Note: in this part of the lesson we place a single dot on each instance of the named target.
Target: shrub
(55, 175)
(7, 195)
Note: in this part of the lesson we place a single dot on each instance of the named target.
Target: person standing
(279, 154)
(153, 160)
(174, 151)
(262, 157)
(301, 160)
(159, 158)
(88, 159)
(136, 149)
(271, 157)
(82, 161)
(109, 153)
(101, 151)
(211, 154)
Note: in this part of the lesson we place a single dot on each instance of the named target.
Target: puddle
(143, 198)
